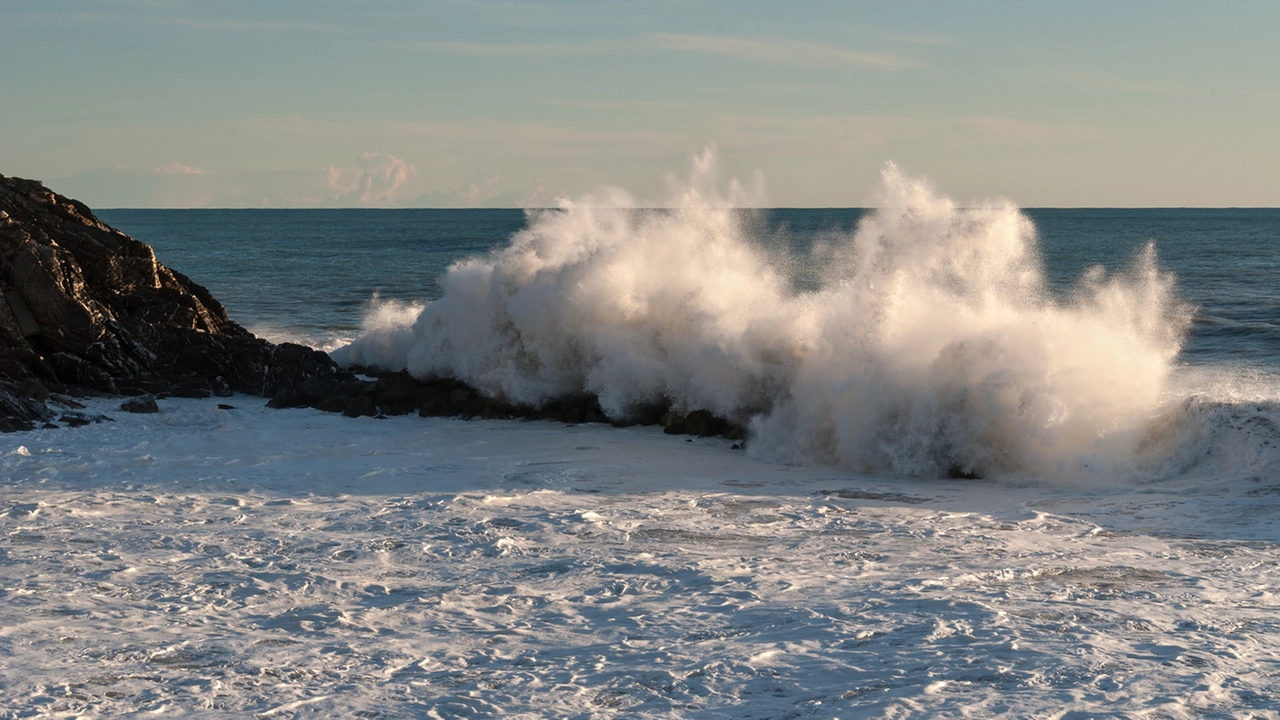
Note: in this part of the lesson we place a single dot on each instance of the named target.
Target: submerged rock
(85, 308)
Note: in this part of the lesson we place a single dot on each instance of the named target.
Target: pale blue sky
(152, 103)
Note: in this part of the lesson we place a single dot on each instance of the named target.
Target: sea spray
(929, 345)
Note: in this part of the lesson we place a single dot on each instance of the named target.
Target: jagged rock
(86, 308)
(79, 419)
(34, 390)
(18, 412)
(142, 404)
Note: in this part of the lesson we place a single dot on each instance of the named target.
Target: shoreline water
(222, 558)
(254, 561)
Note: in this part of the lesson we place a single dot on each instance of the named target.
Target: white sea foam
(930, 346)
(251, 562)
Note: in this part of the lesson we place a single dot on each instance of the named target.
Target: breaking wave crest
(929, 345)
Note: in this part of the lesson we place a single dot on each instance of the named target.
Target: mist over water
(925, 343)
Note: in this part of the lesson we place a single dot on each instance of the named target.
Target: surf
(928, 344)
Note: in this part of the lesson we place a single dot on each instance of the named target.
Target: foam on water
(244, 561)
(931, 345)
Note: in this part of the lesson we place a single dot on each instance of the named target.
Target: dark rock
(332, 404)
(435, 402)
(473, 408)
(959, 472)
(86, 308)
(574, 409)
(79, 419)
(32, 388)
(143, 404)
(19, 412)
(361, 406)
(460, 396)
(673, 424)
(224, 406)
(286, 398)
(703, 424)
(646, 414)
(191, 389)
(396, 393)
(340, 397)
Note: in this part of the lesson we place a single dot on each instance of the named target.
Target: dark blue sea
(309, 275)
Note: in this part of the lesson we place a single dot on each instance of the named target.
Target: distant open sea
(309, 275)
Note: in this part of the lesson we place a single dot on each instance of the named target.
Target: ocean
(1112, 375)
(309, 275)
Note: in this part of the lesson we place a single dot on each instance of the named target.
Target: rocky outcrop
(381, 393)
(86, 308)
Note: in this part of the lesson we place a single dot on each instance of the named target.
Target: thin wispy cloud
(782, 51)
(485, 49)
(174, 167)
(1023, 132)
(1111, 82)
(247, 25)
(176, 20)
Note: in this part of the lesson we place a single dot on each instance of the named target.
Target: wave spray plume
(931, 344)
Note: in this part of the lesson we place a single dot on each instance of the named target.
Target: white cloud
(378, 180)
(174, 167)
(375, 182)
(484, 49)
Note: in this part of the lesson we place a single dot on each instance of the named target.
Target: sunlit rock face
(86, 308)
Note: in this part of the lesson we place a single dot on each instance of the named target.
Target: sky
(476, 103)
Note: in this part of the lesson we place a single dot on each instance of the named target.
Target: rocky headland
(88, 310)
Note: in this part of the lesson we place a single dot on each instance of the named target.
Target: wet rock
(79, 419)
(956, 471)
(19, 412)
(361, 406)
(703, 424)
(645, 414)
(673, 423)
(287, 398)
(396, 393)
(143, 404)
(66, 402)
